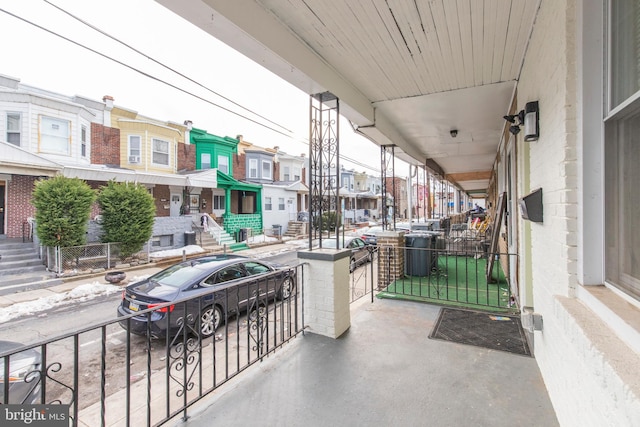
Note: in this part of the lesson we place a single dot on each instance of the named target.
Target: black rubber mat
(489, 330)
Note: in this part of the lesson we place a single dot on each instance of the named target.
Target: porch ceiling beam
(468, 176)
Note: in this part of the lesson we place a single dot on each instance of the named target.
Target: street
(70, 318)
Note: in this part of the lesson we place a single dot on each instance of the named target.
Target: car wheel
(285, 289)
(352, 265)
(210, 320)
(258, 314)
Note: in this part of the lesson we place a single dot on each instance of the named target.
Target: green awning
(227, 182)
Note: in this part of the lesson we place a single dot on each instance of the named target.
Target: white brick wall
(592, 376)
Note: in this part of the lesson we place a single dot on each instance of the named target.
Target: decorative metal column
(385, 161)
(324, 166)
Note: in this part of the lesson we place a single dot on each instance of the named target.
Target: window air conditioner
(134, 159)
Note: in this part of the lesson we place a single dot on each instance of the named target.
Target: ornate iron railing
(109, 375)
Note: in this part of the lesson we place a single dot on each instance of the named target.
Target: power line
(93, 27)
(145, 74)
(152, 77)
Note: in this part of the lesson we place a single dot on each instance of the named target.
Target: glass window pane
(54, 135)
(625, 45)
(205, 161)
(622, 222)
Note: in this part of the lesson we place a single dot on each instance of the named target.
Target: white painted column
(326, 291)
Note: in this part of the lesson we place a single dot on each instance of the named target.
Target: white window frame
(203, 164)
(17, 131)
(267, 172)
(281, 205)
(50, 141)
(218, 202)
(134, 152)
(268, 204)
(155, 150)
(83, 141)
(223, 161)
(286, 171)
(296, 173)
(253, 168)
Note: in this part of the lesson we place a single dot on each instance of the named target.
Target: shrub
(128, 212)
(62, 206)
(329, 220)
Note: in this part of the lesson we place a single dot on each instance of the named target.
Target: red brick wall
(239, 167)
(18, 207)
(186, 157)
(162, 196)
(105, 145)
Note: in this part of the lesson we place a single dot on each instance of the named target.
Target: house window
(253, 168)
(134, 148)
(296, 174)
(205, 161)
(223, 164)
(13, 128)
(287, 173)
(266, 169)
(160, 152)
(54, 135)
(83, 141)
(267, 204)
(218, 202)
(281, 203)
(622, 152)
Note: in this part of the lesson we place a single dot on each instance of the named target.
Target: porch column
(326, 291)
(391, 257)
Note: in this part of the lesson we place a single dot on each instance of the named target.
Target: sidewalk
(70, 283)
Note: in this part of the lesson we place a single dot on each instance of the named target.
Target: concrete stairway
(296, 229)
(209, 242)
(22, 268)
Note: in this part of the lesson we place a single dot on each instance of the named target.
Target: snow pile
(189, 250)
(80, 293)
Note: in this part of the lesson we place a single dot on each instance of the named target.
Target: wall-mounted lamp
(527, 117)
(453, 133)
(531, 121)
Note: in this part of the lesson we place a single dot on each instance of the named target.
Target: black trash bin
(242, 234)
(419, 254)
(189, 238)
(277, 230)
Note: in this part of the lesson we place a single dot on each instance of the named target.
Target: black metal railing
(463, 273)
(364, 278)
(148, 367)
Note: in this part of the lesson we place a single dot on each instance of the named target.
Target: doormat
(487, 330)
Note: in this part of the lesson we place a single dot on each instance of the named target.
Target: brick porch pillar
(390, 258)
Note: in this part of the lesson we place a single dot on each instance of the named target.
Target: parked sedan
(216, 286)
(24, 378)
(361, 253)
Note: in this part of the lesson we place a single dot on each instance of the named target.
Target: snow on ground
(80, 293)
(189, 250)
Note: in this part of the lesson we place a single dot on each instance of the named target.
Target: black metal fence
(84, 259)
(364, 278)
(119, 373)
(460, 273)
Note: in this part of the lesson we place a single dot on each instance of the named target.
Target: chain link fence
(91, 258)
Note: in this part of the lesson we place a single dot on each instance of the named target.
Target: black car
(24, 374)
(361, 253)
(208, 288)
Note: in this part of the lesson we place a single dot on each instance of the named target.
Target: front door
(176, 204)
(2, 208)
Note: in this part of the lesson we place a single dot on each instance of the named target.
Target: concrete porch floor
(384, 371)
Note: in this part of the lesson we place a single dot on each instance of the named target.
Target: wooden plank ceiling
(408, 71)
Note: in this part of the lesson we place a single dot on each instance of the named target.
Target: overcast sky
(44, 60)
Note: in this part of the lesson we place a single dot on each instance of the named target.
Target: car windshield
(178, 275)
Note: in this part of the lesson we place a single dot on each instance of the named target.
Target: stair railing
(215, 230)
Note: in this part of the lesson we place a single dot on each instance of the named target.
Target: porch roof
(227, 181)
(17, 161)
(407, 73)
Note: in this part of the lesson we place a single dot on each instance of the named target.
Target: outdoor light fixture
(453, 132)
(527, 117)
(531, 122)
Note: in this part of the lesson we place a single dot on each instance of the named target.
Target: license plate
(133, 306)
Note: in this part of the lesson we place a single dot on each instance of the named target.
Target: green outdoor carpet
(457, 281)
(496, 332)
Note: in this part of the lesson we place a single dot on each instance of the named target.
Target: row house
(43, 134)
